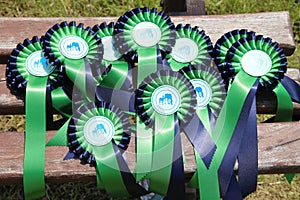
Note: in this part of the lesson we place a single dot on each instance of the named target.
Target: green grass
(269, 186)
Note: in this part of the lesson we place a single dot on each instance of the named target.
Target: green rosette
(141, 35)
(162, 115)
(98, 133)
(243, 54)
(223, 45)
(252, 61)
(144, 32)
(79, 53)
(112, 59)
(192, 47)
(32, 79)
(210, 92)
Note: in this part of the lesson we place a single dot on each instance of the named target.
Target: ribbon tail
(125, 100)
(201, 140)
(235, 144)
(248, 155)
(176, 188)
(35, 138)
(60, 137)
(285, 107)
(144, 145)
(292, 87)
(163, 150)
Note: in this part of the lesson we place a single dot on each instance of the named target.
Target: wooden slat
(279, 152)
(266, 102)
(15, 30)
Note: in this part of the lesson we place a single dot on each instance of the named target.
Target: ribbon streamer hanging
(143, 35)
(32, 79)
(252, 62)
(165, 102)
(210, 92)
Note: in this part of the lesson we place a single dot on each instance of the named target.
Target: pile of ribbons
(144, 79)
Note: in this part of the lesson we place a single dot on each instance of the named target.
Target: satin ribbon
(112, 170)
(164, 126)
(32, 79)
(141, 34)
(210, 100)
(230, 125)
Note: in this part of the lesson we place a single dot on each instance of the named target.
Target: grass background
(269, 186)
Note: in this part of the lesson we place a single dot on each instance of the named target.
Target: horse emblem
(166, 99)
(199, 91)
(42, 61)
(74, 46)
(99, 129)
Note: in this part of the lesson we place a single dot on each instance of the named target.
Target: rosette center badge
(185, 50)
(203, 92)
(256, 63)
(146, 34)
(73, 47)
(166, 100)
(37, 65)
(99, 131)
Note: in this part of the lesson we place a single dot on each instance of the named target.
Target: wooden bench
(279, 143)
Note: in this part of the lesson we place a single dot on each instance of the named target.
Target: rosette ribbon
(221, 48)
(192, 47)
(254, 62)
(165, 102)
(119, 76)
(31, 78)
(98, 134)
(143, 34)
(79, 53)
(210, 92)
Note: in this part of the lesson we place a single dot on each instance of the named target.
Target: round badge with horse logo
(166, 100)
(203, 92)
(37, 65)
(146, 34)
(73, 47)
(256, 63)
(185, 50)
(99, 131)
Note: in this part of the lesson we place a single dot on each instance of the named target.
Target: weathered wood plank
(266, 102)
(15, 30)
(279, 152)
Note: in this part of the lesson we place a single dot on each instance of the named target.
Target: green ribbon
(162, 154)
(126, 42)
(222, 133)
(40, 78)
(35, 137)
(107, 168)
